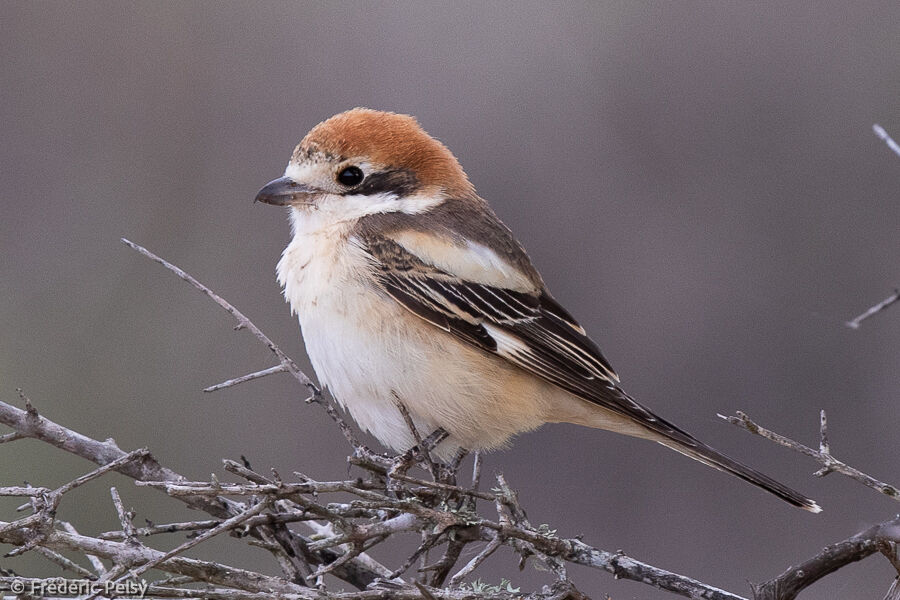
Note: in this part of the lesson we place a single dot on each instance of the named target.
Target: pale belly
(368, 351)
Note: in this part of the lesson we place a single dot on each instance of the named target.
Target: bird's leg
(461, 454)
(447, 472)
(404, 462)
(421, 452)
(430, 443)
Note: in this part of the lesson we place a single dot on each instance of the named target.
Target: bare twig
(418, 516)
(11, 437)
(98, 565)
(125, 517)
(441, 569)
(101, 453)
(445, 487)
(371, 503)
(429, 540)
(824, 448)
(473, 564)
(114, 465)
(215, 573)
(243, 322)
(29, 424)
(874, 310)
(244, 378)
(158, 529)
(188, 526)
(879, 538)
(829, 462)
(18, 490)
(881, 133)
(64, 562)
(225, 526)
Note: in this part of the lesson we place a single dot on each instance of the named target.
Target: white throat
(334, 211)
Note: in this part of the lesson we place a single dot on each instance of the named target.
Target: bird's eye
(350, 176)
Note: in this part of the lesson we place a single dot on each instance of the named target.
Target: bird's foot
(425, 447)
(418, 454)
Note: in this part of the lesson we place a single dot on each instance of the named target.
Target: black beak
(283, 192)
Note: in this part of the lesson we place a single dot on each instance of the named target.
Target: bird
(416, 302)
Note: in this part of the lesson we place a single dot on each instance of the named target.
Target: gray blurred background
(698, 183)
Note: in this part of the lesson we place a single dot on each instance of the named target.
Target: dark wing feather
(425, 306)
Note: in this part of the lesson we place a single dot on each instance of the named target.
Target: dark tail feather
(717, 460)
(610, 397)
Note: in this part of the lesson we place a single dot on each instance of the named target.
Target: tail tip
(811, 506)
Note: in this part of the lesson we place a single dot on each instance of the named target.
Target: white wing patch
(472, 262)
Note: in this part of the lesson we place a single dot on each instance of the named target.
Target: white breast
(365, 347)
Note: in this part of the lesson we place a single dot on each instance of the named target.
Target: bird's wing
(526, 327)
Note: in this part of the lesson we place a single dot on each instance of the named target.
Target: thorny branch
(883, 538)
(374, 515)
(881, 133)
(346, 518)
(855, 322)
(823, 455)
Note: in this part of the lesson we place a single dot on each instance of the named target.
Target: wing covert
(528, 328)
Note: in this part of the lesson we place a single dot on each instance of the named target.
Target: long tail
(681, 441)
(717, 460)
(613, 409)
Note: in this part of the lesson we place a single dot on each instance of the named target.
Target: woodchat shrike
(409, 288)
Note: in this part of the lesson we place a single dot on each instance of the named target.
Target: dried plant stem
(855, 322)
(243, 322)
(881, 133)
(883, 538)
(829, 463)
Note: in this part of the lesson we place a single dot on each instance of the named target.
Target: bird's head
(365, 161)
